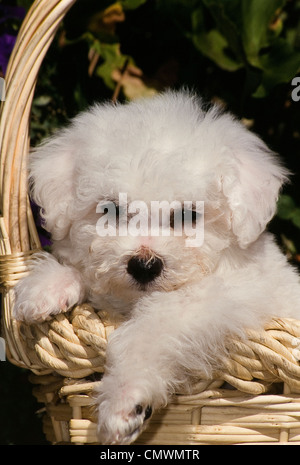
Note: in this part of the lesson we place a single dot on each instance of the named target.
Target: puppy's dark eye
(176, 218)
(109, 208)
(179, 217)
(172, 218)
(191, 215)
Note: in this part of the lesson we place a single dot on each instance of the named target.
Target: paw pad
(139, 409)
(148, 412)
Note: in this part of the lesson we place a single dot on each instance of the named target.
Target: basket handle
(18, 234)
(17, 229)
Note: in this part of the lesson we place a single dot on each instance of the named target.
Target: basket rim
(17, 229)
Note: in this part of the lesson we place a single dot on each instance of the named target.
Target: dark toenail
(138, 409)
(148, 413)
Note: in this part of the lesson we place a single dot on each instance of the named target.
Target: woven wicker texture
(212, 416)
(73, 345)
(64, 351)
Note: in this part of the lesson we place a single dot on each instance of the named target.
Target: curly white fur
(165, 148)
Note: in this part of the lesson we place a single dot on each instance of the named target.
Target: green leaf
(227, 17)
(296, 218)
(287, 210)
(285, 207)
(212, 43)
(42, 100)
(256, 33)
(289, 245)
(214, 46)
(279, 65)
(112, 59)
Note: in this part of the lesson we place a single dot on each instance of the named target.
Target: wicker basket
(259, 402)
(249, 401)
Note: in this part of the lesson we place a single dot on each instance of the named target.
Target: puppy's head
(99, 180)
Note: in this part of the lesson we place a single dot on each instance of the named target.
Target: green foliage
(288, 210)
(248, 33)
(261, 37)
(112, 60)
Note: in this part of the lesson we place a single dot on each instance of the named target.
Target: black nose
(144, 270)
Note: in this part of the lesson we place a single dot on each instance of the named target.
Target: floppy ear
(51, 169)
(252, 184)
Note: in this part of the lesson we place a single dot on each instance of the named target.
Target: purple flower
(7, 43)
(8, 16)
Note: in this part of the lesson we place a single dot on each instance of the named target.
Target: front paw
(45, 292)
(122, 419)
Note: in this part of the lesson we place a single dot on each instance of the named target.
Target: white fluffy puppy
(177, 302)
